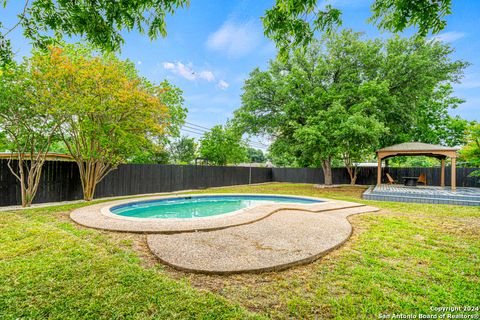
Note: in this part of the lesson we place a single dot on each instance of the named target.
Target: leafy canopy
(294, 23)
(223, 145)
(402, 84)
(108, 112)
(256, 155)
(289, 23)
(183, 150)
(27, 125)
(100, 22)
(471, 151)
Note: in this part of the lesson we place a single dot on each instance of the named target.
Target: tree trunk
(352, 172)
(91, 173)
(327, 171)
(29, 178)
(22, 184)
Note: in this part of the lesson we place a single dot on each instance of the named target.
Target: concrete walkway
(281, 240)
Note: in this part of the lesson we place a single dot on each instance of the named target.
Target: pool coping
(98, 216)
(108, 212)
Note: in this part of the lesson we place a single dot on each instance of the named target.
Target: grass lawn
(406, 258)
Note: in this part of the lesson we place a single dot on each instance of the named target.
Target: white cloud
(236, 39)
(449, 36)
(188, 72)
(223, 85)
(185, 71)
(169, 65)
(207, 75)
(139, 62)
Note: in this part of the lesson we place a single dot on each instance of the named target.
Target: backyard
(403, 259)
(280, 159)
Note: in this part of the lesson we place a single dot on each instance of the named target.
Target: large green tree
(28, 127)
(339, 133)
(471, 151)
(183, 150)
(290, 23)
(108, 112)
(403, 84)
(256, 155)
(223, 145)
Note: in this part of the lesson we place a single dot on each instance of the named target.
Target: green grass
(404, 259)
(51, 268)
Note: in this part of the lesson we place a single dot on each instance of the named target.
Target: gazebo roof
(417, 146)
(417, 149)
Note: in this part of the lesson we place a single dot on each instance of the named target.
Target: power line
(196, 125)
(200, 134)
(194, 129)
(201, 130)
(204, 129)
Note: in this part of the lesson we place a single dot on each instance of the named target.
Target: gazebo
(419, 149)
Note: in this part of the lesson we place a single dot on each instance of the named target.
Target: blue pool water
(199, 206)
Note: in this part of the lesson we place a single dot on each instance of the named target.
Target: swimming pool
(199, 206)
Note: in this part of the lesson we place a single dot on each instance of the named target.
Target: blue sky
(213, 45)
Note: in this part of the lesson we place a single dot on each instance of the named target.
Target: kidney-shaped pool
(199, 206)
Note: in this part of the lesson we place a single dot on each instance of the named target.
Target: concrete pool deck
(283, 240)
(99, 216)
(462, 196)
(263, 238)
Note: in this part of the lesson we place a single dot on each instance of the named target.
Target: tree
(100, 22)
(3, 141)
(28, 127)
(471, 151)
(255, 155)
(110, 112)
(319, 138)
(183, 150)
(151, 154)
(222, 145)
(154, 150)
(290, 23)
(418, 102)
(399, 83)
(413, 161)
(336, 132)
(358, 137)
(293, 23)
(281, 155)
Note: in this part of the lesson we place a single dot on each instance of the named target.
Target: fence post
(250, 174)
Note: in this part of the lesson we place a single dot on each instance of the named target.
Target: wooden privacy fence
(368, 176)
(61, 182)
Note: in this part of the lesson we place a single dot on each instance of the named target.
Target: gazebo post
(442, 174)
(454, 173)
(379, 170)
